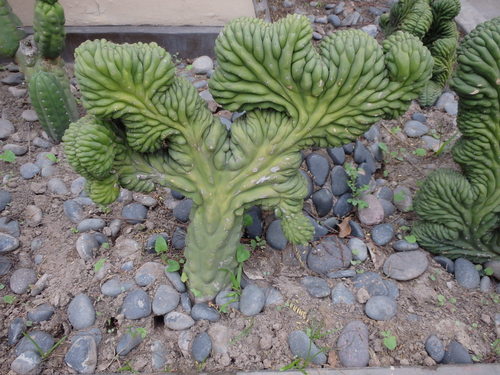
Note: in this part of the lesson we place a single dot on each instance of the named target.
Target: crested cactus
(146, 126)
(48, 25)
(10, 30)
(433, 22)
(460, 214)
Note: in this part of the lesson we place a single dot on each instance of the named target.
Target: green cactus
(433, 22)
(11, 31)
(460, 214)
(146, 126)
(48, 25)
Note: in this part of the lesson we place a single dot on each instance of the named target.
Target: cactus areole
(146, 126)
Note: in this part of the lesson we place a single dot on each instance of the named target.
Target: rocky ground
(88, 285)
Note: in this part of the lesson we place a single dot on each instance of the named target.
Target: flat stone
(10, 227)
(406, 265)
(371, 30)
(375, 286)
(319, 230)
(57, 186)
(356, 229)
(456, 353)
(466, 274)
(186, 302)
(86, 246)
(435, 348)
(373, 214)
(342, 207)
(381, 308)
(82, 355)
(81, 312)
(415, 129)
(182, 210)
(319, 168)
(15, 332)
(134, 213)
(165, 300)
(337, 154)
(5, 199)
(358, 249)
(126, 247)
(21, 279)
(352, 344)
(339, 180)
(446, 263)
(179, 238)
(6, 128)
(159, 355)
(73, 211)
(148, 273)
(329, 256)
(402, 245)
(13, 79)
(340, 294)
(8, 243)
(388, 207)
(323, 202)
(176, 281)
(301, 346)
(29, 170)
(341, 274)
(420, 117)
(41, 313)
(127, 342)
(178, 321)
(29, 115)
(26, 363)
(115, 287)
(252, 300)
(382, 234)
(316, 286)
(202, 346)
(44, 340)
(360, 152)
(88, 225)
(275, 237)
(136, 304)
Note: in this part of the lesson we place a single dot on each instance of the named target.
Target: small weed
(474, 325)
(443, 146)
(353, 174)
(395, 129)
(315, 330)
(44, 355)
(2, 286)
(74, 230)
(258, 243)
(386, 173)
(189, 67)
(161, 245)
(104, 209)
(28, 323)
(298, 364)
(495, 346)
(411, 239)
(247, 220)
(355, 262)
(383, 146)
(99, 264)
(9, 299)
(404, 228)
(105, 245)
(52, 157)
(172, 265)
(127, 367)
(399, 196)
(488, 271)
(8, 156)
(245, 332)
(390, 341)
(420, 152)
(477, 357)
(441, 300)
(138, 331)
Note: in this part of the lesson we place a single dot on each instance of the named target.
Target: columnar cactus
(460, 214)
(146, 126)
(48, 25)
(11, 31)
(433, 22)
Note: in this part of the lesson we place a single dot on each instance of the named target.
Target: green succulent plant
(11, 31)
(460, 213)
(433, 22)
(146, 126)
(48, 25)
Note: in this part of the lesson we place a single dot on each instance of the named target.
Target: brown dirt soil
(252, 343)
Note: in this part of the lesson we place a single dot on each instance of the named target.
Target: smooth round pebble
(44, 340)
(435, 348)
(252, 300)
(41, 313)
(275, 237)
(5, 265)
(178, 321)
(456, 353)
(165, 300)
(382, 234)
(402, 245)
(134, 213)
(182, 210)
(5, 199)
(202, 311)
(319, 168)
(340, 294)
(202, 346)
(381, 308)
(8, 243)
(21, 279)
(176, 281)
(88, 225)
(114, 287)
(406, 265)
(415, 129)
(136, 304)
(358, 249)
(446, 263)
(352, 344)
(466, 274)
(127, 342)
(81, 312)
(323, 202)
(329, 256)
(29, 170)
(374, 213)
(26, 363)
(15, 332)
(73, 211)
(316, 286)
(82, 355)
(86, 246)
(339, 180)
(301, 346)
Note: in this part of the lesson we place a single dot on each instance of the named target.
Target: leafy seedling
(441, 300)
(99, 264)
(2, 286)
(390, 341)
(9, 299)
(8, 156)
(161, 245)
(247, 220)
(173, 265)
(488, 271)
(399, 196)
(411, 239)
(258, 243)
(383, 146)
(138, 331)
(420, 152)
(52, 157)
(395, 129)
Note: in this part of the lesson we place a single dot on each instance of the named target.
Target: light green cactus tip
(147, 127)
(48, 26)
(11, 31)
(460, 214)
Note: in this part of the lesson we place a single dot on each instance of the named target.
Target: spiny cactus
(10, 30)
(146, 126)
(433, 22)
(48, 25)
(460, 214)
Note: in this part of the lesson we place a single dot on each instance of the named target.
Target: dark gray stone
(9, 226)
(446, 263)
(385, 193)
(319, 230)
(319, 168)
(178, 321)
(364, 175)
(175, 280)
(331, 223)
(15, 332)
(339, 179)
(127, 342)
(88, 225)
(302, 346)
(82, 355)
(227, 298)
(420, 117)
(252, 300)
(382, 234)
(8, 243)
(375, 285)
(255, 229)
(41, 313)
(159, 355)
(316, 35)
(388, 207)
(177, 195)
(5, 265)
(165, 300)
(81, 312)
(402, 198)
(29, 170)
(360, 152)
(406, 265)
(415, 129)
(73, 211)
(456, 353)
(86, 246)
(340, 294)
(486, 285)
(316, 286)
(201, 311)
(341, 274)
(21, 279)
(348, 148)
(323, 202)
(342, 207)
(182, 210)
(202, 346)
(134, 213)
(352, 345)
(114, 287)
(381, 308)
(94, 333)
(402, 245)
(309, 183)
(179, 238)
(435, 348)
(337, 154)
(328, 256)
(186, 302)
(5, 199)
(334, 20)
(356, 229)
(358, 249)
(352, 19)
(44, 340)
(373, 134)
(13, 79)
(275, 237)
(466, 274)
(377, 152)
(136, 304)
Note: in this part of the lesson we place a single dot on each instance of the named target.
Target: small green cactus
(433, 22)
(11, 31)
(147, 127)
(460, 214)
(48, 25)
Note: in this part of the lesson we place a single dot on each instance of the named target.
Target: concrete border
(469, 17)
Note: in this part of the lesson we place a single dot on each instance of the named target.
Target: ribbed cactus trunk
(211, 241)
